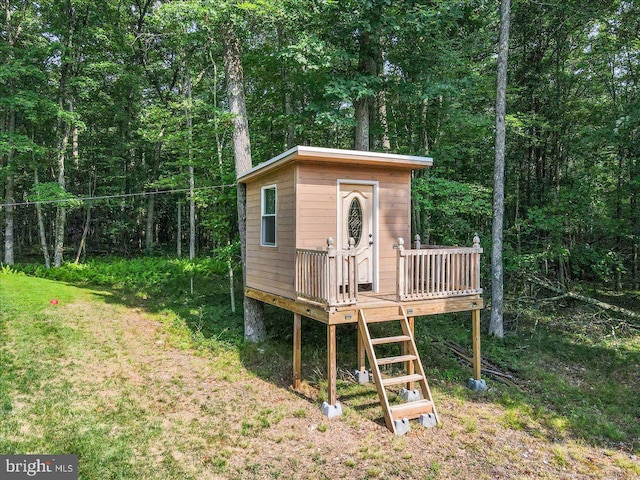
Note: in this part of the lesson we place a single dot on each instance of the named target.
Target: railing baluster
(430, 274)
(423, 259)
(451, 269)
(456, 280)
(414, 274)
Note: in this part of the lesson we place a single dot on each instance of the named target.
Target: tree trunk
(288, 111)
(232, 295)
(254, 329)
(9, 196)
(41, 229)
(179, 231)
(384, 126)
(219, 152)
(362, 124)
(85, 231)
(11, 120)
(385, 143)
(61, 218)
(593, 301)
(367, 66)
(192, 200)
(64, 130)
(151, 202)
(497, 285)
(75, 151)
(634, 268)
(425, 130)
(61, 214)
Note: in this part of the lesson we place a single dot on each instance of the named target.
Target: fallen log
(486, 367)
(567, 294)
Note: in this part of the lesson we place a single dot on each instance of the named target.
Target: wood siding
(272, 269)
(317, 200)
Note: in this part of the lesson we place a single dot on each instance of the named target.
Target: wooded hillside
(120, 99)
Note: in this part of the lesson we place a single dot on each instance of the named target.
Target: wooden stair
(397, 416)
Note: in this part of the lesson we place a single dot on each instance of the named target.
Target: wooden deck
(377, 304)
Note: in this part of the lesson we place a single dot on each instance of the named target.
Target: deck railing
(327, 277)
(330, 277)
(437, 272)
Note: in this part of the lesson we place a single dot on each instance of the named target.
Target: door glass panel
(355, 220)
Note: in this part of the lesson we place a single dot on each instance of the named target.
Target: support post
(476, 383)
(297, 350)
(361, 374)
(476, 345)
(332, 371)
(410, 366)
(361, 353)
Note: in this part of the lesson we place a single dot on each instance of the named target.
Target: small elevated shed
(326, 231)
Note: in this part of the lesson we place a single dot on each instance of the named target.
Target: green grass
(578, 380)
(43, 350)
(41, 410)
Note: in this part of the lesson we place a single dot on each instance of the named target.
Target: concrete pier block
(331, 411)
(402, 426)
(477, 385)
(409, 395)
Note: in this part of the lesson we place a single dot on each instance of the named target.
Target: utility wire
(104, 197)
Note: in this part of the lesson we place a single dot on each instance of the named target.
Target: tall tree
(497, 274)
(254, 329)
(9, 125)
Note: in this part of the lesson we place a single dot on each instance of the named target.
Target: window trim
(264, 215)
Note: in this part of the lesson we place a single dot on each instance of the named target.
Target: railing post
(476, 262)
(332, 274)
(400, 271)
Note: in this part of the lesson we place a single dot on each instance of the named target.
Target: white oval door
(357, 222)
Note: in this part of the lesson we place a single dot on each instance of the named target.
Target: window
(355, 220)
(268, 236)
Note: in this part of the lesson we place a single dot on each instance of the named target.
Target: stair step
(411, 409)
(382, 317)
(398, 359)
(403, 379)
(398, 339)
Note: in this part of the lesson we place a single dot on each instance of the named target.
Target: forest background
(114, 98)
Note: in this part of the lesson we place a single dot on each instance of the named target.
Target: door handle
(371, 239)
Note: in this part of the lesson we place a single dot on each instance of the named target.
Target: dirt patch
(209, 418)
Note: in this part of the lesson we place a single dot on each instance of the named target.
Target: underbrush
(150, 275)
(196, 292)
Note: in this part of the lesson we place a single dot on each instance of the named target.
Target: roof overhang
(335, 155)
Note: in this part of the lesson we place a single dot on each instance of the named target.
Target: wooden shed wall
(272, 269)
(317, 201)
